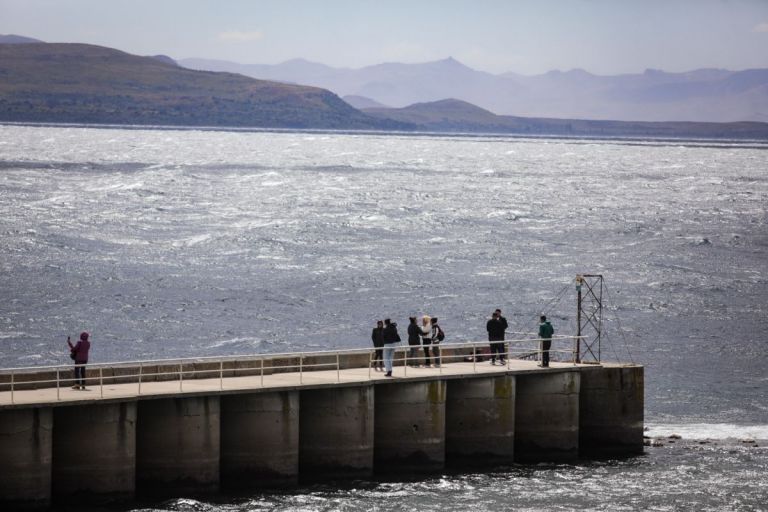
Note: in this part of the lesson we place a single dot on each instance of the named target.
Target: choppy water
(180, 243)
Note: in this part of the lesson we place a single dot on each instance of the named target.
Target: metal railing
(223, 367)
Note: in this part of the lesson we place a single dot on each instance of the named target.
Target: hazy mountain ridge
(458, 116)
(14, 39)
(703, 95)
(77, 83)
(52, 82)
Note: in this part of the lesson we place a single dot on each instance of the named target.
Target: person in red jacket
(79, 352)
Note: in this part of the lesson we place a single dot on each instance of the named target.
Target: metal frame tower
(589, 317)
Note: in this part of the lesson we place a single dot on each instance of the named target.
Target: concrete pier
(177, 446)
(94, 452)
(480, 421)
(26, 437)
(547, 416)
(260, 439)
(410, 427)
(273, 427)
(611, 411)
(336, 433)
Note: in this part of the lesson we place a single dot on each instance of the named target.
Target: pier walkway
(96, 391)
(173, 377)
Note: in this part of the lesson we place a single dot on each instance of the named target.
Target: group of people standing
(427, 335)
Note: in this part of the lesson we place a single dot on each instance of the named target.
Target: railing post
(141, 368)
(221, 375)
(101, 381)
(370, 363)
(338, 368)
(573, 352)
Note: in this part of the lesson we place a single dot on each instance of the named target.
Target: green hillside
(77, 83)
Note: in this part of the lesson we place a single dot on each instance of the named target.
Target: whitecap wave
(701, 431)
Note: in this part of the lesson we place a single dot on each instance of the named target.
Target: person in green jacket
(545, 334)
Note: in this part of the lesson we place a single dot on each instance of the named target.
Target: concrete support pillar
(336, 433)
(177, 445)
(611, 411)
(25, 458)
(94, 452)
(260, 439)
(410, 426)
(547, 416)
(480, 421)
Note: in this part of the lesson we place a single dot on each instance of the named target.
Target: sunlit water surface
(186, 243)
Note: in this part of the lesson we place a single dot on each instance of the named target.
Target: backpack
(440, 334)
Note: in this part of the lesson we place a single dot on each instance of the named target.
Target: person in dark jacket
(545, 334)
(79, 352)
(391, 337)
(414, 337)
(496, 327)
(435, 337)
(377, 337)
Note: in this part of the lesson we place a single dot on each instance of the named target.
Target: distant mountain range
(459, 116)
(704, 95)
(78, 83)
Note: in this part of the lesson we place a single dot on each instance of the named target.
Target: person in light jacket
(426, 338)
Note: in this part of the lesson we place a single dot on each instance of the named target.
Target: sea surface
(181, 243)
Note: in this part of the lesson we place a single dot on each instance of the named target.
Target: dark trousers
(545, 346)
(413, 354)
(497, 347)
(80, 374)
(426, 343)
(378, 357)
(436, 353)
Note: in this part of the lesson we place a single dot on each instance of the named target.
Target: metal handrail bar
(268, 355)
(404, 349)
(142, 374)
(406, 357)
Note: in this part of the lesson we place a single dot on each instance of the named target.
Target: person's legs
(545, 345)
(389, 355)
(378, 359)
(436, 354)
(502, 349)
(413, 355)
(80, 376)
(426, 353)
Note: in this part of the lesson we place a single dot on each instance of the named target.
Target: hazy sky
(525, 36)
